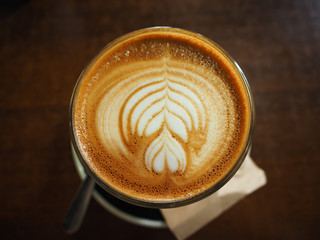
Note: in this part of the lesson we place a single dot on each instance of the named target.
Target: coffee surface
(162, 115)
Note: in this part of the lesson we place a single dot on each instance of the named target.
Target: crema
(161, 115)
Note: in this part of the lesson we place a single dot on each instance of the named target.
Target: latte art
(165, 116)
(169, 108)
(161, 117)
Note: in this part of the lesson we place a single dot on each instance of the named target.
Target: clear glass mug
(83, 168)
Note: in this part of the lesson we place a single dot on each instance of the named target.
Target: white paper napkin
(184, 221)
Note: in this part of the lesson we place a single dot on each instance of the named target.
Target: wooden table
(44, 45)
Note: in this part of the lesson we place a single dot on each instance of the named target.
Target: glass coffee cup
(171, 100)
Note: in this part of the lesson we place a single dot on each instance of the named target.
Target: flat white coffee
(161, 115)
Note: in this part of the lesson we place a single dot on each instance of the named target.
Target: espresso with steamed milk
(161, 115)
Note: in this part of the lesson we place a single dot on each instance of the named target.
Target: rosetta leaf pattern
(168, 109)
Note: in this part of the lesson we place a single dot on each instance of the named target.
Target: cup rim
(171, 203)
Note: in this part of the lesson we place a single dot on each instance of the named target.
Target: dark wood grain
(44, 45)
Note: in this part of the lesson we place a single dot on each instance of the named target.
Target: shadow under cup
(148, 213)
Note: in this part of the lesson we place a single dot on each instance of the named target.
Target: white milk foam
(173, 107)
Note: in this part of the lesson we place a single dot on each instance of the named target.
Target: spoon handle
(77, 210)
